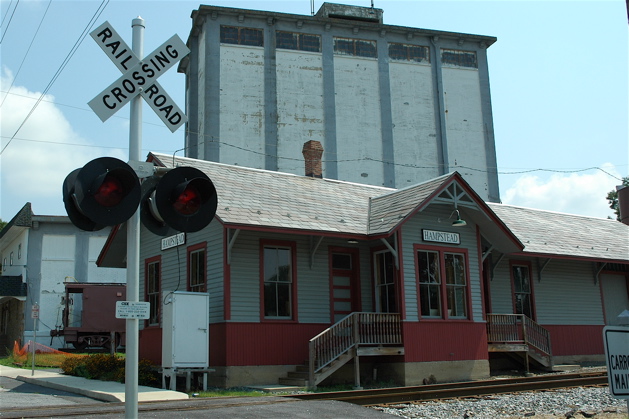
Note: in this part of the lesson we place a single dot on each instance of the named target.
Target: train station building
(428, 280)
(353, 238)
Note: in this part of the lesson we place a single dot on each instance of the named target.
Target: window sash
(432, 289)
(197, 271)
(278, 285)
(152, 287)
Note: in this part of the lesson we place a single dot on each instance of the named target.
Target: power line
(10, 19)
(27, 51)
(65, 62)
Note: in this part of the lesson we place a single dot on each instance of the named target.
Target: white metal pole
(133, 242)
(36, 317)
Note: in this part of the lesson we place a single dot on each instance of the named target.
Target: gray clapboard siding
(436, 218)
(566, 293)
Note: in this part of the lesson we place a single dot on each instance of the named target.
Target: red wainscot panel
(151, 344)
(576, 340)
(444, 341)
(269, 343)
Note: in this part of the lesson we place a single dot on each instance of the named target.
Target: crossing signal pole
(106, 191)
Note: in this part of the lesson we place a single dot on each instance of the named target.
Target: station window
(152, 274)
(196, 268)
(355, 47)
(298, 41)
(522, 289)
(278, 281)
(455, 58)
(242, 36)
(403, 52)
(443, 283)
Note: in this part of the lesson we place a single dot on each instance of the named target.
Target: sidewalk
(108, 391)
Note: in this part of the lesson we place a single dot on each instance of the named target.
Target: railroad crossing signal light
(104, 192)
(184, 199)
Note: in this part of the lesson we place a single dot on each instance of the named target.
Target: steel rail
(457, 390)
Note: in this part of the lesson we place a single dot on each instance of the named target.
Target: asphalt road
(20, 400)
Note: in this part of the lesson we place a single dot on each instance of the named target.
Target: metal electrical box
(185, 333)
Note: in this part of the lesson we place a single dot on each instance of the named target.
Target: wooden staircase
(358, 334)
(520, 338)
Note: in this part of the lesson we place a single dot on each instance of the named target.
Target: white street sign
(139, 77)
(132, 309)
(616, 339)
(35, 311)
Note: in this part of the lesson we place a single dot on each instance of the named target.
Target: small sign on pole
(35, 311)
(132, 309)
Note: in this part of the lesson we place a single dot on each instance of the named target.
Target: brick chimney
(312, 151)
(623, 203)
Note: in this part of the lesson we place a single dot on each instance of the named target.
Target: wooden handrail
(517, 328)
(349, 332)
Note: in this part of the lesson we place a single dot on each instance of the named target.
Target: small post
(35, 316)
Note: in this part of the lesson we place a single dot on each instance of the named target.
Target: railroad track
(387, 396)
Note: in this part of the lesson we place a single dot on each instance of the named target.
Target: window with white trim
(278, 282)
(443, 283)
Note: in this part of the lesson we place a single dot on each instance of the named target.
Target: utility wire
(10, 19)
(65, 62)
(27, 51)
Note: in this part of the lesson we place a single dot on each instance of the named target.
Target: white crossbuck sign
(139, 77)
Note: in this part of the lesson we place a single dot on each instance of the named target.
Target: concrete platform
(108, 391)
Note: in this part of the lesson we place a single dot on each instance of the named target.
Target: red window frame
(153, 308)
(265, 243)
(526, 263)
(443, 286)
(193, 249)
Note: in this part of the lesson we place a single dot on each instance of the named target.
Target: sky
(558, 79)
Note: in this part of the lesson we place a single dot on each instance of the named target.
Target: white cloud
(39, 157)
(574, 193)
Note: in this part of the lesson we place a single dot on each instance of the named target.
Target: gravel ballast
(566, 403)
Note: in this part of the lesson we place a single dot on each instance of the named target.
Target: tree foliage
(612, 198)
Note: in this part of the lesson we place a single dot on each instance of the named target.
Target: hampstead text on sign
(441, 237)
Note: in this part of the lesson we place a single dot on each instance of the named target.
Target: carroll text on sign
(616, 341)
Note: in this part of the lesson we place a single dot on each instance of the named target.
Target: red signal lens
(188, 202)
(110, 192)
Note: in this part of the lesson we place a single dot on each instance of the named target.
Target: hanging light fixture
(459, 222)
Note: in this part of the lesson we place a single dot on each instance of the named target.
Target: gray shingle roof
(280, 200)
(389, 210)
(553, 233)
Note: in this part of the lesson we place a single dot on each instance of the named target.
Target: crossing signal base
(106, 192)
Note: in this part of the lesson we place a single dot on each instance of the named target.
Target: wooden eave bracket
(493, 267)
(313, 248)
(393, 251)
(598, 272)
(230, 243)
(541, 268)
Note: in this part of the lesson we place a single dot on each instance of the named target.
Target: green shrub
(69, 365)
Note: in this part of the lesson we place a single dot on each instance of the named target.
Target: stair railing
(518, 328)
(350, 332)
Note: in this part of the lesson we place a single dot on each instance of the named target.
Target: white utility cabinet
(185, 334)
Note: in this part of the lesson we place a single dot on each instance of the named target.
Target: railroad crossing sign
(139, 77)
